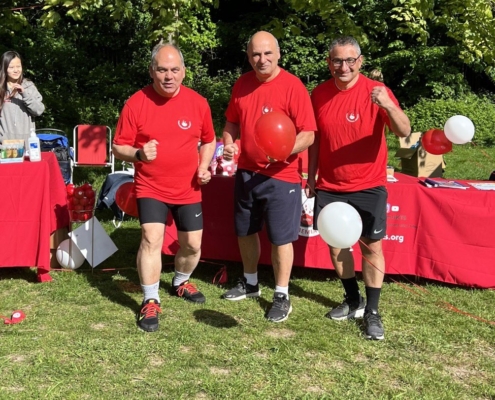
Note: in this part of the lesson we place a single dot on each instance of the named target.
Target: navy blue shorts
(371, 204)
(187, 217)
(261, 199)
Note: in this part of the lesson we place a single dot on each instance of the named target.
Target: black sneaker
(281, 308)
(242, 290)
(373, 327)
(148, 316)
(348, 309)
(188, 291)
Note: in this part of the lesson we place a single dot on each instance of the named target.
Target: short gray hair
(345, 41)
(160, 46)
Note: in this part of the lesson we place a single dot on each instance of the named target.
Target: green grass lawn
(80, 340)
(463, 162)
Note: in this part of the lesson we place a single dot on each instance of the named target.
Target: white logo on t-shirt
(352, 117)
(266, 108)
(183, 124)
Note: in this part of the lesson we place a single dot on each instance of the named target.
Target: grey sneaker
(242, 290)
(348, 309)
(281, 308)
(373, 326)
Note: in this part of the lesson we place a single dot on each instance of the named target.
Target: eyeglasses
(337, 62)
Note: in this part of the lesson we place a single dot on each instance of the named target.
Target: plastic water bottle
(34, 146)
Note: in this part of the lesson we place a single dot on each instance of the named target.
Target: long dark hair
(5, 61)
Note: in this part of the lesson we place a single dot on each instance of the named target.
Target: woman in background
(20, 101)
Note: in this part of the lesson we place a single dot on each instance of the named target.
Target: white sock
(151, 291)
(180, 278)
(282, 289)
(251, 279)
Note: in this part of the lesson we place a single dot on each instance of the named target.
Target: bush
(427, 114)
(217, 90)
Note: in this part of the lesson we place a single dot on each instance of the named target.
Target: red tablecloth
(443, 234)
(33, 204)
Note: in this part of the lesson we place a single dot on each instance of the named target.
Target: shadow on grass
(27, 274)
(116, 278)
(215, 319)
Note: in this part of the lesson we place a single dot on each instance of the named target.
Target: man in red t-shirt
(350, 156)
(159, 130)
(266, 190)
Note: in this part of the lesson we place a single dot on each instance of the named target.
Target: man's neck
(345, 85)
(269, 77)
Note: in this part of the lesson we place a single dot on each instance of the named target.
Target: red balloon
(89, 193)
(70, 189)
(434, 141)
(125, 197)
(84, 201)
(78, 193)
(275, 135)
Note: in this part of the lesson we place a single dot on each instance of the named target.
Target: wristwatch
(138, 155)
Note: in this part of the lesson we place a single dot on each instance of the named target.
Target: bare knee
(151, 238)
(190, 242)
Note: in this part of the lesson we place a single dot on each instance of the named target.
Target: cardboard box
(58, 237)
(416, 161)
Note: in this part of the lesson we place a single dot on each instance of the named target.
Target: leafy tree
(88, 56)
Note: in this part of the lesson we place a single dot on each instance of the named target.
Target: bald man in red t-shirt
(159, 130)
(350, 157)
(266, 191)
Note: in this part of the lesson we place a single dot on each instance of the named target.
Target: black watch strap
(138, 155)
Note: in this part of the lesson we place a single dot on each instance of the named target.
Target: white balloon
(69, 255)
(340, 225)
(459, 129)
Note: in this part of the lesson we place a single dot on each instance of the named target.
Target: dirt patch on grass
(14, 389)
(18, 358)
(184, 349)
(281, 333)
(156, 361)
(219, 371)
(129, 287)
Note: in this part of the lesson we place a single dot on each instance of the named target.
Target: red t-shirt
(250, 99)
(178, 124)
(353, 149)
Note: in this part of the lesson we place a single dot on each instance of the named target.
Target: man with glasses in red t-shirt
(350, 156)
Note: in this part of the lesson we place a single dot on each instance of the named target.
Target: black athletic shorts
(187, 217)
(261, 199)
(371, 204)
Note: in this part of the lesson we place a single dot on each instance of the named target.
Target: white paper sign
(94, 243)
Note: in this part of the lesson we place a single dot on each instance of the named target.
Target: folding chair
(93, 146)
